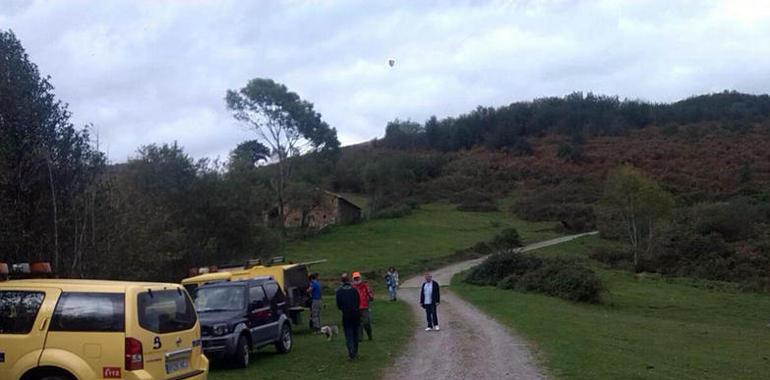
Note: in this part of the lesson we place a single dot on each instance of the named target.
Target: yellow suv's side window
(18, 310)
(97, 312)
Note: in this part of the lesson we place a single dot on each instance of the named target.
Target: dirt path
(470, 345)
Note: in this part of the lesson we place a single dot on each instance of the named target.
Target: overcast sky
(157, 71)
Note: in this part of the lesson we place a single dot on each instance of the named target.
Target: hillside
(648, 327)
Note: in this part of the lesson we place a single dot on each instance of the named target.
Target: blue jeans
(392, 292)
(350, 326)
(431, 314)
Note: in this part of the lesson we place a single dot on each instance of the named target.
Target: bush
(482, 248)
(507, 239)
(561, 278)
(564, 279)
(475, 200)
(734, 220)
(500, 266)
(571, 152)
(615, 258)
(569, 202)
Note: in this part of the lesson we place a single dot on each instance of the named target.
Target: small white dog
(330, 331)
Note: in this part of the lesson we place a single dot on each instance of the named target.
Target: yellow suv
(54, 329)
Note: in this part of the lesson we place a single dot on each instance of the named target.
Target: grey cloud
(147, 72)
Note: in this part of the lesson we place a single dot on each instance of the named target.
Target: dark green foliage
(48, 169)
(528, 273)
(613, 257)
(501, 265)
(404, 135)
(570, 152)
(720, 241)
(571, 202)
(392, 179)
(148, 219)
(482, 248)
(507, 239)
(169, 213)
(474, 200)
(558, 278)
(734, 220)
(247, 155)
(508, 127)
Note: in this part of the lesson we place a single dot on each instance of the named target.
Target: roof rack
(34, 269)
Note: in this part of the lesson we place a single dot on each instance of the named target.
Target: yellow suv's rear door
(164, 321)
(24, 316)
(86, 334)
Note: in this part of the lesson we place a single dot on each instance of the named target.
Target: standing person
(348, 303)
(430, 297)
(365, 295)
(315, 302)
(391, 280)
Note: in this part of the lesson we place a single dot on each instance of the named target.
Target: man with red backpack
(365, 295)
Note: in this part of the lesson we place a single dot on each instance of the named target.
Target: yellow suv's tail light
(134, 355)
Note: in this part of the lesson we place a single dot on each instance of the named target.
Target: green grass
(648, 327)
(314, 357)
(431, 232)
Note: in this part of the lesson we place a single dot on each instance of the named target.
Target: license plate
(177, 365)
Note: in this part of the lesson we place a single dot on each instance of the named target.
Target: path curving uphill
(470, 345)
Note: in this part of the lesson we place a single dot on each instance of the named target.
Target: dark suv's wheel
(284, 343)
(241, 357)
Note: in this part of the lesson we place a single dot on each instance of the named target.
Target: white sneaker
(436, 328)
(427, 329)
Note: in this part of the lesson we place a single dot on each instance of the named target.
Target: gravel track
(470, 345)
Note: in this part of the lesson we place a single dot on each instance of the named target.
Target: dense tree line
(509, 127)
(153, 216)
(48, 167)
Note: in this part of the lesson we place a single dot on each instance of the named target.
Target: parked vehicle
(291, 277)
(56, 329)
(238, 317)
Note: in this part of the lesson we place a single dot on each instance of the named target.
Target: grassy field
(648, 327)
(431, 232)
(314, 357)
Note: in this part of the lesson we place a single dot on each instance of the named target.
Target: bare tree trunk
(650, 237)
(280, 190)
(55, 214)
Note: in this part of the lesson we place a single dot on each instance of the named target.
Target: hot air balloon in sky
(391, 62)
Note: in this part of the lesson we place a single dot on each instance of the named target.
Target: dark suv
(240, 316)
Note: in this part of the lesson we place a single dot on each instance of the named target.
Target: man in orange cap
(365, 295)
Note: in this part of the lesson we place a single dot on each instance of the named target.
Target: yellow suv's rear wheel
(48, 373)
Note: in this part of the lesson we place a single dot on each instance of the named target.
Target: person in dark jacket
(348, 302)
(430, 297)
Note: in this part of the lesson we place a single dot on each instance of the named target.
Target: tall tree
(285, 123)
(47, 166)
(640, 203)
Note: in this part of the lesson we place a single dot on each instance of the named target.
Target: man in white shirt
(430, 297)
